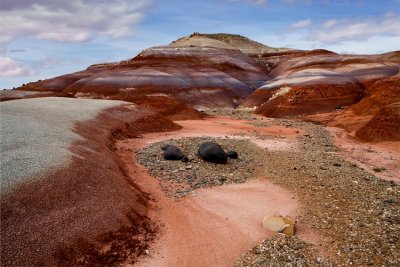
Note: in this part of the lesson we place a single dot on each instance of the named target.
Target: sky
(41, 39)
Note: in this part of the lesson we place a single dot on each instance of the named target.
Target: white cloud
(3, 50)
(70, 21)
(11, 68)
(356, 30)
(329, 23)
(301, 24)
(48, 62)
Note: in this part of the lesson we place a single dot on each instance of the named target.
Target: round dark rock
(212, 152)
(171, 152)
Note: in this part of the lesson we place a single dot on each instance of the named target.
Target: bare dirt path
(213, 226)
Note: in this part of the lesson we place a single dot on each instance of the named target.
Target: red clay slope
(377, 97)
(385, 126)
(86, 213)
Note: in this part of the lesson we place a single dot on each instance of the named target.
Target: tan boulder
(279, 224)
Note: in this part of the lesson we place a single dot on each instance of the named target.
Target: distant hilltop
(226, 40)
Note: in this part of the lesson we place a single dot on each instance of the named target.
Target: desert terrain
(84, 181)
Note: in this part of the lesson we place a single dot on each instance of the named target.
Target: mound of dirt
(171, 108)
(303, 100)
(378, 95)
(6, 95)
(385, 126)
(86, 212)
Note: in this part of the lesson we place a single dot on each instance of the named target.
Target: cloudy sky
(44, 38)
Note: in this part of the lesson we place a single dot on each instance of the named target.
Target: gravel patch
(179, 179)
(36, 134)
(281, 250)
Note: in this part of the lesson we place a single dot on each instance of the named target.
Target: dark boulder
(212, 152)
(171, 152)
(232, 154)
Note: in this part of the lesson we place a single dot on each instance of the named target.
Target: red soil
(171, 108)
(385, 126)
(311, 99)
(378, 95)
(381, 159)
(344, 119)
(258, 98)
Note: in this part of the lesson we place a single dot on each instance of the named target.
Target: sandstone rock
(279, 224)
(290, 230)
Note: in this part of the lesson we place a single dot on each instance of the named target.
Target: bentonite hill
(84, 182)
(223, 70)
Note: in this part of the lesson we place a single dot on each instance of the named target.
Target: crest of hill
(227, 41)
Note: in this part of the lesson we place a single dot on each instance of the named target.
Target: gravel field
(36, 133)
(356, 214)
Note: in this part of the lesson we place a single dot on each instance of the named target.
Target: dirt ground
(380, 158)
(213, 226)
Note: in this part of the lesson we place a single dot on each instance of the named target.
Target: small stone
(279, 224)
(274, 223)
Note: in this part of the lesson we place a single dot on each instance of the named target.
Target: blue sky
(45, 38)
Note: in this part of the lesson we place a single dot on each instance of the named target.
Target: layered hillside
(307, 83)
(224, 70)
(197, 70)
